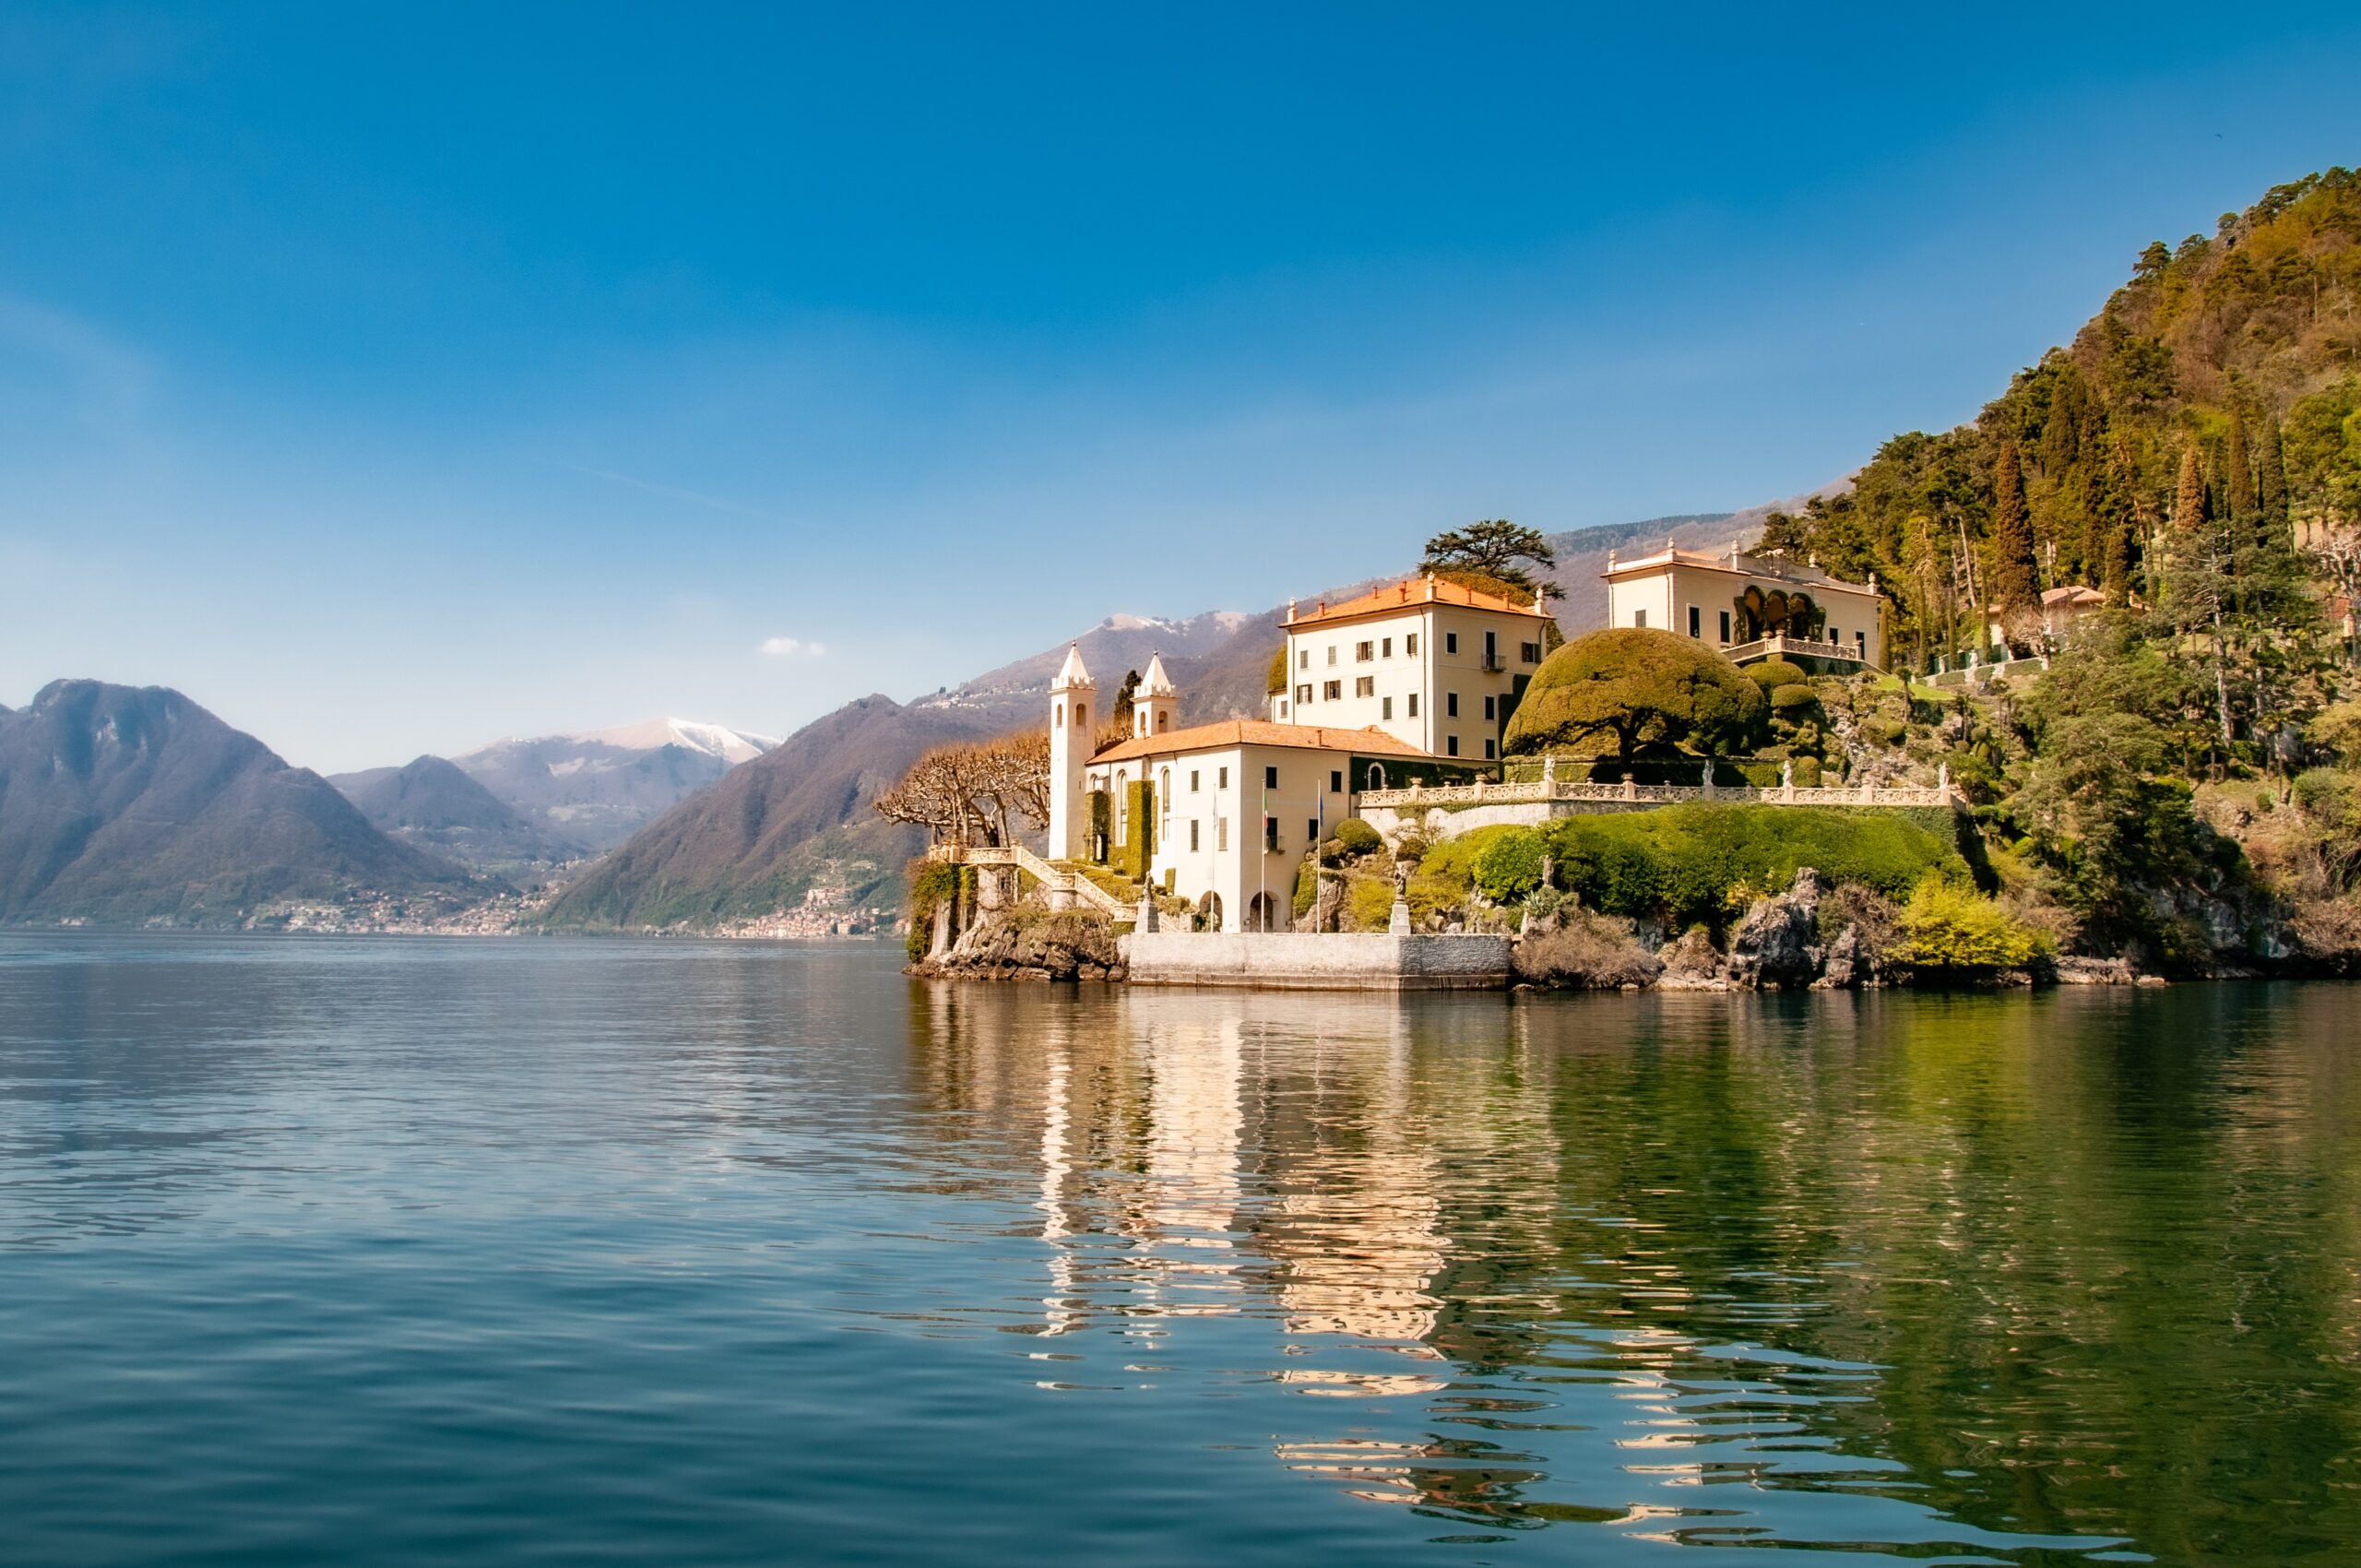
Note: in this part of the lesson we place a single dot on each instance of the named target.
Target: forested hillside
(2219, 385)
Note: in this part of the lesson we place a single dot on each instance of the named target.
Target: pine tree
(2013, 589)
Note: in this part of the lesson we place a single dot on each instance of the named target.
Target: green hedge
(1697, 863)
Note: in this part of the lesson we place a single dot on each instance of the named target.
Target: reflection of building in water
(1185, 1222)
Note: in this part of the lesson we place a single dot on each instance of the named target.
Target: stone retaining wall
(1323, 961)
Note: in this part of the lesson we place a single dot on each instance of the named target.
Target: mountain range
(123, 805)
(541, 800)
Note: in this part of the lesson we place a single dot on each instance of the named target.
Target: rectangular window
(1283, 708)
(1270, 833)
(1487, 751)
(1193, 777)
(1639, 617)
(1529, 653)
(1312, 830)
(1221, 833)
(1451, 642)
(1192, 834)
(1451, 745)
(1331, 690)
(1365, 687)
(1491, 650)
(1386, 707)
(1726, 628)
(1270, 778)
(1303, 659)
(1413, 705)
(1221, 779)
(1385, 649)
(1696, 622)
(1861, 641)
(1332, 654)
(1410, 645)
(1451, 704)
(1364, 652)
(1488, 707)
(1335, 781)
(1303, 693)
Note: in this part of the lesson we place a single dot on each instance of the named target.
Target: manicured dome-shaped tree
(1629, 690)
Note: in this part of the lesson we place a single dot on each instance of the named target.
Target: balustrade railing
(1535, 792)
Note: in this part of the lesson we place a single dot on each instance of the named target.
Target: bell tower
(1154, 704)
(1073, 698)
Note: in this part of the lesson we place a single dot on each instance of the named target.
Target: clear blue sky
(394, 380)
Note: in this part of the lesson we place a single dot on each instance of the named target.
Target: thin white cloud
(789, 647)
(676, 493)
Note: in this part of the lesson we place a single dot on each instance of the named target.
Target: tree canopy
(1496, 549)
(1628, 689)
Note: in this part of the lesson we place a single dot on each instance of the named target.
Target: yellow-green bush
(1947, 926)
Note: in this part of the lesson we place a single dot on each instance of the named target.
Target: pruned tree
(975, 794)
(1496, 549)
(1632, 689)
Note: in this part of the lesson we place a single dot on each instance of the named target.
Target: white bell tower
(1072, 699)
(1156, 702)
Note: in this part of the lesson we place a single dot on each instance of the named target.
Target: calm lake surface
(404, 1251)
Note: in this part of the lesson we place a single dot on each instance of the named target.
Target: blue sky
(392, 380)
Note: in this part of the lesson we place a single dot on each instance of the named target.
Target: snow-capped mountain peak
(730, 746)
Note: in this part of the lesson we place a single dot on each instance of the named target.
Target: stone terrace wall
(1320, 961)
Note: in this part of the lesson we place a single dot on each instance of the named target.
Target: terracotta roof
(1394, 598)
(2073, 593)
(1259, 733)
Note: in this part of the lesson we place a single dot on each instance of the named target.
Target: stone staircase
(1065, 885)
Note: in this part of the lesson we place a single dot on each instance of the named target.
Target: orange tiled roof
(1259, 733)
(1396, 597)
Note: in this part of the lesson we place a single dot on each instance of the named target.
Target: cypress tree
(2238, 477)
(2273, 487)
(2013, 560)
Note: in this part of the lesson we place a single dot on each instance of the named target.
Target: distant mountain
(1115, 645)
(588, 792)
(792, 818)
(433, 804)
(124, 805)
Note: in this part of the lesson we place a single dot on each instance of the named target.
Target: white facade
(1429, 662)
(1700, 596)
(1074, 700)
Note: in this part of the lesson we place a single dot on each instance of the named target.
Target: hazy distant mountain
(122, 804)
(433, 804)
(754, 842)
(589, 793)
(1117, 644)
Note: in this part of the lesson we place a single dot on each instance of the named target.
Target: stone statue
(1942, 776)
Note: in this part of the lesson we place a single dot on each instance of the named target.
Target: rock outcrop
(1029, 944)
(1776, 946)
(1693, 963)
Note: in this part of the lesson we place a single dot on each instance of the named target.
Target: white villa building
(1412, 683)
(1751, 607)
(1431, 662)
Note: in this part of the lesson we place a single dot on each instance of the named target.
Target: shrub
(1359, 837)
(1772, 673)
(1808, 772)
(1631, 687)
(1792, 699)
(1509, 865)
(1368, 903)
(1307, 886)
(1681, 864)
(1276, 682)
(1948, 927)
(1588, 953)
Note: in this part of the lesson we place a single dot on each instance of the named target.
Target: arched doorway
(1376, 776)
(1209, 912)
(1262, 914)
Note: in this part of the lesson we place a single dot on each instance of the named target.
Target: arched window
(1163, 721)
(1058, 716)
(1123, 806)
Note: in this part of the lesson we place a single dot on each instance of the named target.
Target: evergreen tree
(2272, 485)
(2198, 579)
(2013, 579)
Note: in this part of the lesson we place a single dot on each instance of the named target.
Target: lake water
(404, 1251)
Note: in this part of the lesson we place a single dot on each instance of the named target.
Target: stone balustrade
(1549, 791)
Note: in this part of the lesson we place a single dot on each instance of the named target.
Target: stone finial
(1610, 558)
(1290, 611)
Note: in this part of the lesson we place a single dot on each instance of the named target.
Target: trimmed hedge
(1685, 865)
